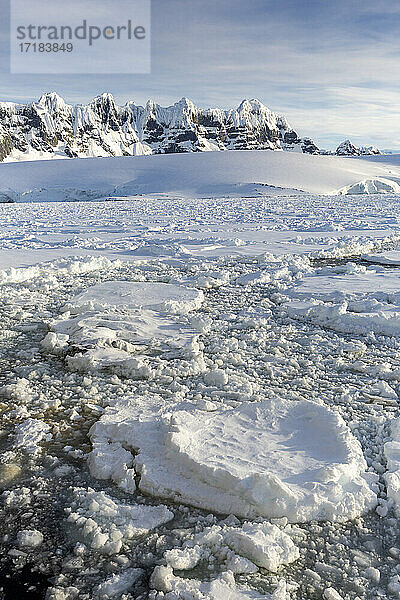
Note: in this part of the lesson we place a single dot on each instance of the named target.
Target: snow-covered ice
(176, 588)
(218, 174)
(114, 322)
(29, 538)
(383, 285)
(392, 454)
(271, 459)
(264, 544)
(391, 257)
(144, 295)
(169, 361)
(117, 585)
(241, 549)
(360, 300)
(30, 433)
(105, 523)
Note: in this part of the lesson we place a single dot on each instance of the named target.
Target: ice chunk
(382, 286)
(117, 584)
(182, 559)
(392, 454)
(223, 588)
(264, 544)
(253, 278)
(105, 523)
(29, 538)
(275, 458)
(30, 433)
(144, 295)
(114, 321)
(339, 317)
(332, 594)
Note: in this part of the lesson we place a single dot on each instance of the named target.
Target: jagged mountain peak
(104, 98)
(51, 101)
(347, 148)
(50, 127)
(252, 104)
(185, 102)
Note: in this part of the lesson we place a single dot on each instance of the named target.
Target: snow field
(235, 173)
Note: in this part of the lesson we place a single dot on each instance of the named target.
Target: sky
(330, 66)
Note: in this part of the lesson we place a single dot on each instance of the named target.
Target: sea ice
(391, 257)
(106, 523)
(29, 538)
(383, 286)
(274, 458)
(252, 545)
(262, 543)
(30, 433)
(392, 455)
(117, 584)
(361, 301)
(129, 295)
(113, 322)
(223, 588)
(383, 319)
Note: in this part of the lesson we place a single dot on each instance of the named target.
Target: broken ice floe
(383, 286)
(362, 302)
(275, 458)
(30, 433)
(106, 524)
(113, 324)
(224, 587)
(392, 455)
(346, 317)
(130, 295)
(117, 585)
(239, 549)
(391, 257)
(61, 266)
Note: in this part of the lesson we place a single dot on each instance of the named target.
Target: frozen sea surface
(199, 399)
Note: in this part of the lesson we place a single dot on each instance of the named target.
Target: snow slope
(223, 174)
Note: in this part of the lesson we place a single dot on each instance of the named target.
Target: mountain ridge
(51, 128)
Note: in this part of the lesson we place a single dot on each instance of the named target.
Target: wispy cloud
(330, 66)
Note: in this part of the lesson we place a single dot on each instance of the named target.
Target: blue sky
(331, 66)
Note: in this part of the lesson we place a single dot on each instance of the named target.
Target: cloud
(330, 66)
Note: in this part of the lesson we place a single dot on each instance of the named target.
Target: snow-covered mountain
(52, 128)
(347, 148)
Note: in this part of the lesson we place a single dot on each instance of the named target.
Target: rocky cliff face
(347, 148)
(50, 127)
